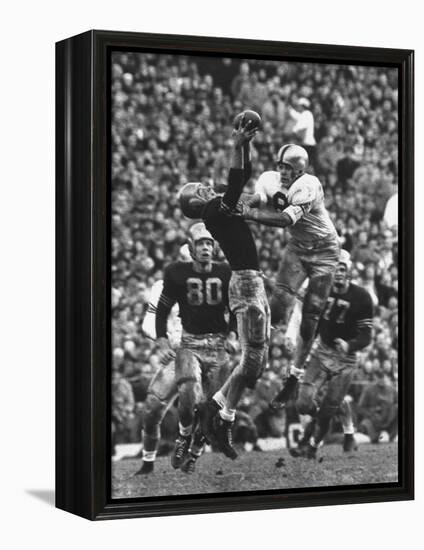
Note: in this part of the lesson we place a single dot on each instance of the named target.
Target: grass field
(259, 471)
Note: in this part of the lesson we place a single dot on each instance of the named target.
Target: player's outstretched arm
(252, 200)
(264, 217)
(240, 167)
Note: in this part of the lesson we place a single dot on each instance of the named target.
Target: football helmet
(342, 273)
(192, 197)
(295, 156)
(196, 233)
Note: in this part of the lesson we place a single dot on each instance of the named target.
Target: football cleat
(300, 450)
(304, 451)
(223, 431)
(182, 445)
(349, 443)
(146, 468)
(311, 452)
(286, 393)
(189, 464)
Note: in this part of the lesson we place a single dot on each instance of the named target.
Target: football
(248, 116)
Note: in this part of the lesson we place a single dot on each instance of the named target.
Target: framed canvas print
(234, 274)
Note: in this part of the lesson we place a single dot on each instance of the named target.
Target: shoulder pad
(305, 189)
(268, 183)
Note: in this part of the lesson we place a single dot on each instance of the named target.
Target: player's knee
(255, 326)
(310, 317)
(153, 412)
(330, 407)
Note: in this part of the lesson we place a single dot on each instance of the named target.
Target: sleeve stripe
(164, 300)
(225, 208)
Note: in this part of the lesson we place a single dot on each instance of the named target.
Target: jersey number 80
(204, 292)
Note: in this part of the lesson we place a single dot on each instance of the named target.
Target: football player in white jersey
(294, 199)
(162, 390)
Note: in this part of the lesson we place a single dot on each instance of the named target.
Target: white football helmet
(295, 156)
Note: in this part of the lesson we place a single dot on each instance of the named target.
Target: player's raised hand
(244, 133)
(246, 124)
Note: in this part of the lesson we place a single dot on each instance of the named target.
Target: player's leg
(349, 443)
(314, 378)
(336, 390)
(290, 277)
(314, 302)
(250, 306)
(161, 394)
(215, 366)
(320, 264)
(189, 383)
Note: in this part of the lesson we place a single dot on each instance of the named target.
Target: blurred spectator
(346, 167)
(122, 408)
(304, 128)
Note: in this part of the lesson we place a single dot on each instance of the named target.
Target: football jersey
(148, 326)
(303, 201)
(202, 298)
(232, 233)
(348, 316)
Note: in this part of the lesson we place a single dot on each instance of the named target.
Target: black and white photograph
(254, 274)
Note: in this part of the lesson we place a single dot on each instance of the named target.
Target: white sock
(312, 442)
(227, 414)
(220, 399)
(348, 428)
(185, 431)
(149, 456)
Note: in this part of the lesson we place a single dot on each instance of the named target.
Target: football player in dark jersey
(344, 329)
(200, 288)
(247, 296)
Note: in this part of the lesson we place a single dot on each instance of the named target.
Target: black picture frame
(82, 280)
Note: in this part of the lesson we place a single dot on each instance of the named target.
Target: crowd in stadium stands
(171, 123)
